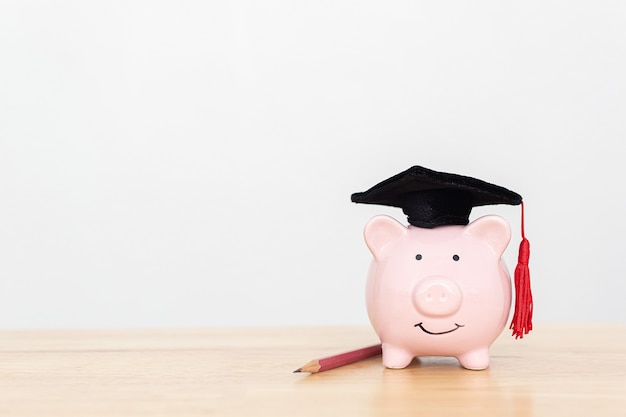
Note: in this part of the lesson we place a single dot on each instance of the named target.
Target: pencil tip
(297, 370)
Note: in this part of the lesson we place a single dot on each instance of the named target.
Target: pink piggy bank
(438, 292)
(439, 287)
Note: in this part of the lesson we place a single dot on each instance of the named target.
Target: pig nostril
(429, 297)
(443, 297)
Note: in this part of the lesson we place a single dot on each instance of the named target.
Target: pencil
(335, 361)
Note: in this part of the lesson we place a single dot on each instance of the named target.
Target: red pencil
(335, 361)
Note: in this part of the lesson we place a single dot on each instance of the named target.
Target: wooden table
(557, 370)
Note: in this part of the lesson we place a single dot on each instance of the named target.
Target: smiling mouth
(420, 325)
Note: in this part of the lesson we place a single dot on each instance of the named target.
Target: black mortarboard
(430, 198)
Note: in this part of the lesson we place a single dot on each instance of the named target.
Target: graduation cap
(431, 199)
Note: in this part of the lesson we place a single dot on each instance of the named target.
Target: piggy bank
(441, 291)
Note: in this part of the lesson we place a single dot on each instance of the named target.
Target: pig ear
(493, 230)
(380, 231)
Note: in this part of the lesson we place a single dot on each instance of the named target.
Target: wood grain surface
(557, 370)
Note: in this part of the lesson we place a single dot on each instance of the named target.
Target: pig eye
(418, 256)
(456, 258)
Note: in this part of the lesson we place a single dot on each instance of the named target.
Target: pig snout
(437, 297)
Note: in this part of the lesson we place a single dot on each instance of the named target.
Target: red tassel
(523, 315)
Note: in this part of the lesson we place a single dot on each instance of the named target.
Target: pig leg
(476, 360)
(394, 357)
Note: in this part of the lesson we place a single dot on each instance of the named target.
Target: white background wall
(190, 163)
